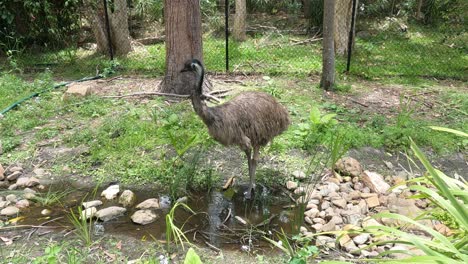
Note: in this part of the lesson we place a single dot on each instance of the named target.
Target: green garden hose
(45, 90)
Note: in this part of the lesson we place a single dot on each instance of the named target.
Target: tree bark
(343, 15)
(183, 42)
(419, 14)
(328, 56)
(240, 17)
(120, 34)
(118, 23)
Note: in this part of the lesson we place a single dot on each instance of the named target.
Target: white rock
(399, 255)
(312, 213)
(90, 204)
(341, 203)
(152, 203)
(88, 213)
(110, 213)
(349, 166)
(127, 198)
(375, 182)
(144, 217)
(9, 211)
(27, 182)
(299, 191)
(290, 185)
(11, 198)
(324, 241)
(46, 212)
(299, 175)
(370, 222)
(111, 192)
(22, 203)
(361, 239)
(15, 175)
(2, 172)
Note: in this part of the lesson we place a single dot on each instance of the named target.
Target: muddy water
(215, 222)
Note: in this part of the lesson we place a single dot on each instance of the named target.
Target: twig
(227, 217)
(148, 93)
(217, 250)
(266, 222)
(357, 102)
(43, 224)
(222, 91)
(307, 41)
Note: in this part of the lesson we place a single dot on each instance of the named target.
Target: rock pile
(345, 201)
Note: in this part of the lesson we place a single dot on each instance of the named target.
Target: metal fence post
(109, 40)
(226, 31)
(351, 36)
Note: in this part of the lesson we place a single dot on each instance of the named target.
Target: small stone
(29, 196)
(350, 227)
(367, 195)
(90, 204)
(337, 220)
(361, 239)
(324, 241)
(300, 175)
(111, 192)
(325, 205)
(333, 187)
(341, 203)
(10, 211)
(388, 164)
(347, 179)
(22, 203)
(344, 239)
(399, 255)
(290, 185)
(358, 186)
(15, 175)
(15, 169)
(311, 205)
(110, 213)
(127, 198)
(144, 217)
(299, 191)
(4, 204)
(152, 203)
(372, 201)
(312, 213)
(314, 201)
(330, 226)
(81, 89)
(318, 227)
(39, 172)
(354, 195)
(351, 248)
(29, 190)
(303, 229)
(11, 198)
(308, 220)
(363, 207)
(318, 220)
(88, 213)
(348, 166)
(13, 187)
(375, 182)
(27, 182)
(346, 187)
(370, 222)
(46, 212)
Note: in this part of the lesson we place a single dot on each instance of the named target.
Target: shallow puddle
(215, 223)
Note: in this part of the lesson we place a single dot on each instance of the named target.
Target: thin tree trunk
(183, 42)
(328, 55)
(240, 16)
(419, 14)
(119, 28)
(343, 15)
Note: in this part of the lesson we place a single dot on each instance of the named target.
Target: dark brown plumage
(250, 120)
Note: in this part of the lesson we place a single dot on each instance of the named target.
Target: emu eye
(192, 65)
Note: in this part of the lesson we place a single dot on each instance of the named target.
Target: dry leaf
(6, 240)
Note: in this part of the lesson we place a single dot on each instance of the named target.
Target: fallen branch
(212, 247)
(357, 102)
(307, 41)
(148, 94)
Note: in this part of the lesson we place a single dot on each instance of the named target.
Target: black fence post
(351, 36)
(226, 31)
(109, 40)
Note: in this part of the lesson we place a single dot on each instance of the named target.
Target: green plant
(51, 255)
(83, 228)
(312, 132)
(298, 249)
(173, 232)
(192, 257)
(51, 197)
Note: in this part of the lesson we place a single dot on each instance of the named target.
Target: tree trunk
(118, 23)
(343, 15)
(183, 42)
(328, 55)
(419, 14)
(306, 5)
(239, 21)
(120, 34)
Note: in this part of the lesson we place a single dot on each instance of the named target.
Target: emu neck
(198, 104)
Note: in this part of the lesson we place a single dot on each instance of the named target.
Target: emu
(249, 120)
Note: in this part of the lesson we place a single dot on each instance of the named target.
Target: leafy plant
(317, 126)
(173, 232)
(192, 257)
(298, 249)
(50, 197)
(83, 228)
(51, 255)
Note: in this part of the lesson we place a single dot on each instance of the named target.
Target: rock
(22, 203)
(290, 185)
(11, 198)
(311, 205)
(351, 248)
(27, 182)
(46, 212)
(324, 241)
(347, 179)
(111, 192)
(312, 213)
(337, 220)
(13, 187)
(443, 229)
(308, 220)
(350, 227)
(164, 202)
(29, 196)
(346, 187)
(363, 207)
(4, 204)
(375, 182)
(10, 211)
(358, 186)
(3, 184)
(299, 191)
(399, 255)
(88, 213)
(370, 222)
(303, 229)
(348, 166)
(404, 207)
(152, 203)
(330, 226)
(354, 195)
(110, 213)
(333, 187)
(318, 220)
(2, 173)
(372, 201)
(318, 227)
(81, 89)
(15, 175)
(182, 199)
(367, 195)
(300, 175)
(127, 198)
(144, 217)
(39, 172)
(240, 220)
(341, 203)
(361, 239)
(344, 239)
(90, 204)
(314, 201)
(325, 205)
(15, 168)
(29, 190)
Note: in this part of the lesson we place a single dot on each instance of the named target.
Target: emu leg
(256, 152)
(248, 153)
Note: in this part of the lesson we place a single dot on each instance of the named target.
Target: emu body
(249, 120)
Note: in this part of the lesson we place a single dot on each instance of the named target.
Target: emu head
(195, 66)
